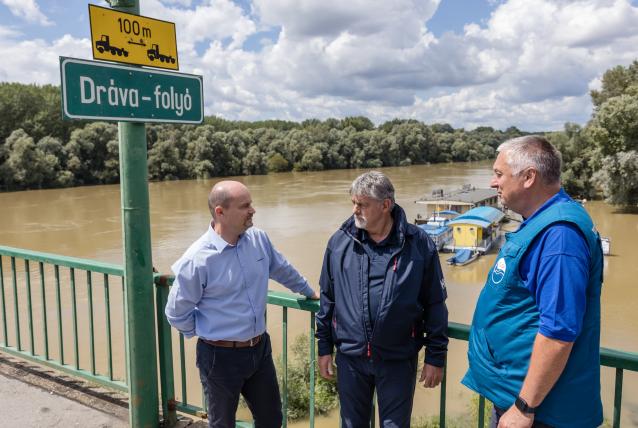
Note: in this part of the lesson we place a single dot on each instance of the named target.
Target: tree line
(40, 150)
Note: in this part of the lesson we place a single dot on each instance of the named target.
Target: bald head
(223, 193)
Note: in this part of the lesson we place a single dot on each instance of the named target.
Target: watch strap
(522, 405)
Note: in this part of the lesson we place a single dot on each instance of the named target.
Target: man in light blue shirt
(219, 295)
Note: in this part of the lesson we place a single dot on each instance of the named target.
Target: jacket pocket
(481, 356)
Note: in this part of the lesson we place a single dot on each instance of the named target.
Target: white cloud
(530, 55)
(27, 9)
(37, 61)
(531, 64)
(183, 3)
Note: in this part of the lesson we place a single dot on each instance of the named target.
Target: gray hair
(218, 196)
(533, 151)
(373, 184)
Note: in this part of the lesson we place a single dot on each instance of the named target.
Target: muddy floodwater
(300, 211)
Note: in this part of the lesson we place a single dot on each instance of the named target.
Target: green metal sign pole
(138, 269)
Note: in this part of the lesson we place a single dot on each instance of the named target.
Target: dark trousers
(497, 413)
(228, 372)
(394, 381)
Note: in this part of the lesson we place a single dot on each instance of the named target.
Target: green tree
(164, 162)
(254, 162)
(27, 166)
(93, 156)
(618, 178)
(311, 160)
(614, 133)
(359, 123)
(614, 127)
(615, 82)
(277, 163)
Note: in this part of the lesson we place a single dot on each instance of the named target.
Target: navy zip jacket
(412, 311)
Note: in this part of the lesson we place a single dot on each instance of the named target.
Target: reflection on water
(300, 211)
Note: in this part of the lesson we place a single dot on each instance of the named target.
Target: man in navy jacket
(382, 299)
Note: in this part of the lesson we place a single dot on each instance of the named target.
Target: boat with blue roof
(437, 227)
(476, 230)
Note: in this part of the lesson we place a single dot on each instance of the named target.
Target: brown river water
(299, 211)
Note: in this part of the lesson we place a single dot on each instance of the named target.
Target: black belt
(234, 343)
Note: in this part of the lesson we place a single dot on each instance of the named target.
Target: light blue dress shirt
(220, 290)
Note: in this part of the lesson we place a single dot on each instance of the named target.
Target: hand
(431, 375)
(315, 296)
(326, 369)
(514, 418)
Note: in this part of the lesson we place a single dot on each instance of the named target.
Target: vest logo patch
(499, 271)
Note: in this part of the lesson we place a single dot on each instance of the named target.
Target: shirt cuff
(308, 291)
(324, 348)
(436, 360)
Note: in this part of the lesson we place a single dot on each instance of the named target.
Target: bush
(326, 398)
(277, 163)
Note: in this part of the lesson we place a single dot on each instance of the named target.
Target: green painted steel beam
(138, 267)
(284, 357)
(619, 359)
(107, 322)
(4, 307)
(617, 398)
(293, 301)
(74, 319)
(443, 396)
(16, 305)
(58, 301)
(167, 375)
(55, 259)
(27, 275)
(43, 296)
(312, 365)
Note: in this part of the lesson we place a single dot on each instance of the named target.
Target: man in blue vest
(382, 299)
(535, 337)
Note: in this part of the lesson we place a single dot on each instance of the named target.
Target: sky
(469, 63)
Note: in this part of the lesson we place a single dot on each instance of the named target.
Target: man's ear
(530, 175)
(219, 211)
(387, 204)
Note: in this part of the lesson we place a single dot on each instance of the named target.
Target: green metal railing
(61, 273)
(608, 357)
(25, 274)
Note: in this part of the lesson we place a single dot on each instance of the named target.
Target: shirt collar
(388, 240)
(559, 196)
(215, 239)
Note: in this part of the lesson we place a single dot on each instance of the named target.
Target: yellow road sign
(133, 39)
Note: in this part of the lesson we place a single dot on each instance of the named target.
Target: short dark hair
(373, 184)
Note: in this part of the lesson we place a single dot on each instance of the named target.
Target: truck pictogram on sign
(104, 45)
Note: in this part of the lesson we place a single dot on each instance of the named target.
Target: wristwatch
(523, 406)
